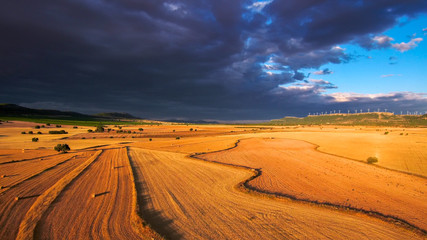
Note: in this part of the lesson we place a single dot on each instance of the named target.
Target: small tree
(23, 132)
(37, 127)
(62, 148)
(99, 128)
(140, 129)
(191, 129)
(34, 139)
(371, 160)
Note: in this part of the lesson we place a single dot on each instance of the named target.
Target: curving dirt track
(295, 168)
(78, 215)
(12, 211)
(191, 199)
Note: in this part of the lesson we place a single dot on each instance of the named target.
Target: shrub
(62, 148)
(109, 130)
(111, 136)
(34, 139)
(75, 127)
(173, 130)
(195, 129)
(47, 124)
(177, 138)
(385, 133)
(43, 126)
(191, 129)
(58, 126)
(401, 133)
(371, 160)
(58, 132)
(119, 127)
(39, 132)
(140, 129)
(37, 127)
(89, 130)
(150, 139)
(23, 133)
(129, 131)
(30, 132)
(83, 138)
(99, 128)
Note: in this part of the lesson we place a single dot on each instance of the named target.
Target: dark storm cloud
(191, 59)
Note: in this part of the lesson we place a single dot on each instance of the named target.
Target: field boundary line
(35, 213)
(27, 159)
(357, 160)
(37, 174)
(137, 222)
(244, 186)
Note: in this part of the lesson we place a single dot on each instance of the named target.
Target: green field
(77, 122)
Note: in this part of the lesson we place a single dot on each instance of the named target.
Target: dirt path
(293, 167)
(13, 211)
(78, 215)
(190, 199)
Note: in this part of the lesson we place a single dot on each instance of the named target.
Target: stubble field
(310, 183)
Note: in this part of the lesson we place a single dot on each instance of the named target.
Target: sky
(214, 59)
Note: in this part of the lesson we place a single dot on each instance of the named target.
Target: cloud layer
(210, 59)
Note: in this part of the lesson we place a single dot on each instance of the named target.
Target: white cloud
(314, 85)
(391, 75)
(395, 96)
(171, 6)
(338, 48)
(383, 40)
(258, 6)
(403, 47)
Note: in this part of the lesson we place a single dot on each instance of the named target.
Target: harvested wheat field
(13, 210)
(13, 173)
(126, 186)
(101, 202)
(410, 156)
(294, 168)
(190, 199)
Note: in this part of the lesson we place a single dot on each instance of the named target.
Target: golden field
(219, 182)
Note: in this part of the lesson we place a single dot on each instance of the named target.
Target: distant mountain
(13, 110)
(116, 115)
